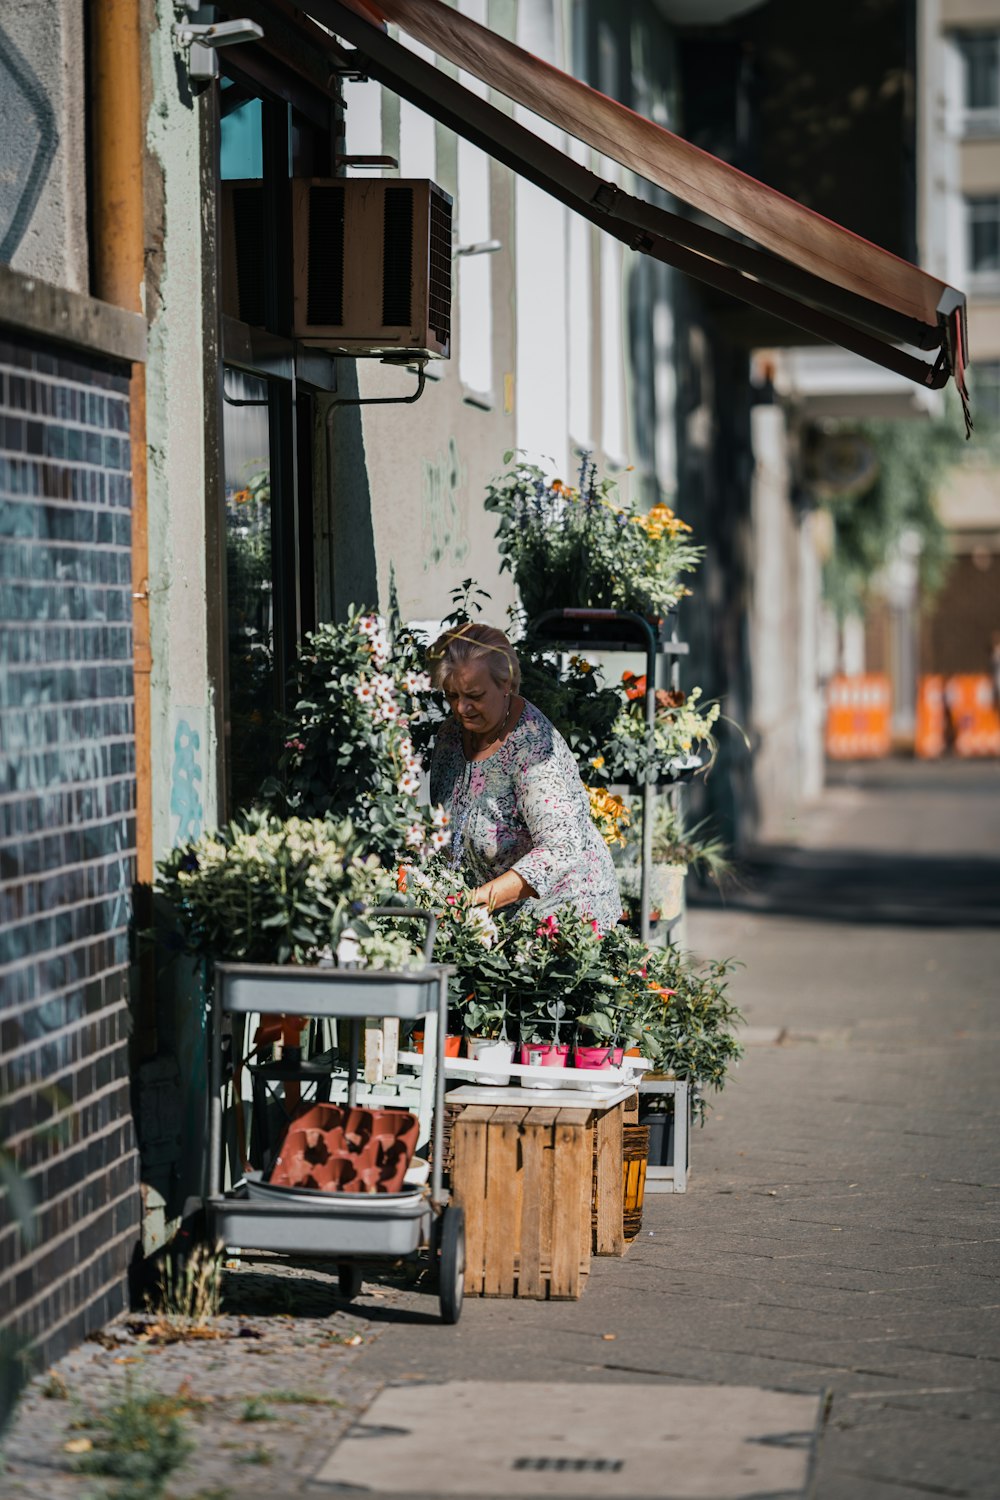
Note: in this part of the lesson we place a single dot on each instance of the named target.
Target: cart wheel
(451, 1263)
(349, 1279)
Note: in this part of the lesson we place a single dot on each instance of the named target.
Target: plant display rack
(622, 630)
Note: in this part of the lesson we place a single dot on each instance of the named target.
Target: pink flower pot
(597, 1058)
(543, 1055)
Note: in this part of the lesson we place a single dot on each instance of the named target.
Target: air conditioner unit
(371, 261)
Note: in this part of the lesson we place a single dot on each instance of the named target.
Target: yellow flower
(597, 762)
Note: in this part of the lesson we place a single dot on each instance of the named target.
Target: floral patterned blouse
(526, 809)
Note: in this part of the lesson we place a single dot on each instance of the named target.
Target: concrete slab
(521, 1439)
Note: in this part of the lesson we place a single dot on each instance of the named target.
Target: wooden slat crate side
(469, 1136)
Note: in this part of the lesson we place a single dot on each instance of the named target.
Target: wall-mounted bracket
(203, 39)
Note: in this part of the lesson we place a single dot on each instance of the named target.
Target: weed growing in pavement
(258, 1455)
(140, 1439)
(54, 1388)
(190, 1287)
(302, 1398)
(255, 1410)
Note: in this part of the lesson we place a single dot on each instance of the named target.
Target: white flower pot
(489, 1050)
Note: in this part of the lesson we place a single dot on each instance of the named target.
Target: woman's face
(474, 698)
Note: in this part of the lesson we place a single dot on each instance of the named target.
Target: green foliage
(579, 546)
(681, 731)
(575, 698)
(268, 890)
(353, 738)
(138, 1439)
(913, 459)
(674, 844)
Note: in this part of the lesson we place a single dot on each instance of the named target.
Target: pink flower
(549, 928)
(451, 900)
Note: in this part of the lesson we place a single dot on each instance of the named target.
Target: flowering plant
(579, 546)
(268, 890)
(610, 814)
(351, 746)
(682, 738)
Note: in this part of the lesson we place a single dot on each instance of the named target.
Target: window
(985, 379)
(268, 419)
(983, 234)
(980, 61)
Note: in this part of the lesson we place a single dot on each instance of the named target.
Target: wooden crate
(524, 1177)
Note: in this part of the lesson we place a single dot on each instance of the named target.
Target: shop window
(581, 343)
(613, 434)
(268, 421)
(247, 443)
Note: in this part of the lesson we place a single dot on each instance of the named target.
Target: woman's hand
(504, 890)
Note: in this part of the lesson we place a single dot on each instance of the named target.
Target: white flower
(364, 691)
(416, 682)
(438, 838)
(414, 763)
(439, 817)
(384, 685)
(414, 836)
(408, 784)
(479, 918)
(406, 748)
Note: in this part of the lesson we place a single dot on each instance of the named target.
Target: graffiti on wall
(28, 140)
(445, 530)
(185, 798)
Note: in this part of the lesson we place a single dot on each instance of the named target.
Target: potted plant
(354, 738)
(572, 546)
(675, 851)
(486, 1030)
(541, 1039)
(680, 744)
(271, 890)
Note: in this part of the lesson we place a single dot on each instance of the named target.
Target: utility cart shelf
(345, 1226)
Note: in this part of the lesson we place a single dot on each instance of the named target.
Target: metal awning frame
(744, 271)
(734, 266)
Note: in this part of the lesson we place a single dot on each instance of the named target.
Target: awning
(761, 246)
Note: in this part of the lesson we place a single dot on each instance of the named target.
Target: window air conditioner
(371, 263)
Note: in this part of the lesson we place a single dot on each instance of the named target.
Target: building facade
(190, 480)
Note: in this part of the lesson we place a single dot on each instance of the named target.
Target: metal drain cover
(581, 1442)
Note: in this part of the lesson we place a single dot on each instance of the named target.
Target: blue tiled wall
(67, 839)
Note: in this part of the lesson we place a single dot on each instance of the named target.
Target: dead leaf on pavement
(78, 1445)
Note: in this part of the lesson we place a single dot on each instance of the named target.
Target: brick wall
(67, 836)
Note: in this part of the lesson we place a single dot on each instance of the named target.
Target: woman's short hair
(467, 643)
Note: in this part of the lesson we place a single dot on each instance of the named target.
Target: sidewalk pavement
(838, 1240)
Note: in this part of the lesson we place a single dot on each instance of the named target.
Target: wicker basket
(634, 1158)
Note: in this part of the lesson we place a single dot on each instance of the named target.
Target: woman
(520, 816)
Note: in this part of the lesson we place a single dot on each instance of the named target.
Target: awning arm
(635, 222)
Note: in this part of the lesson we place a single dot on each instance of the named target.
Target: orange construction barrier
(929, 729)
(858, 717)
(975, 723)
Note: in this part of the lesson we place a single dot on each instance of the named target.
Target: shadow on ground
(854, 885)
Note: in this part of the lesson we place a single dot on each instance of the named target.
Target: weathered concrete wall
(184, 516)
(43, 176)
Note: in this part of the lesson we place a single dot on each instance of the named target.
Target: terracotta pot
(452, 1044)
(336, 1149)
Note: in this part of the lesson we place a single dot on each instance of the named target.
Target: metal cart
(346, 1227)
